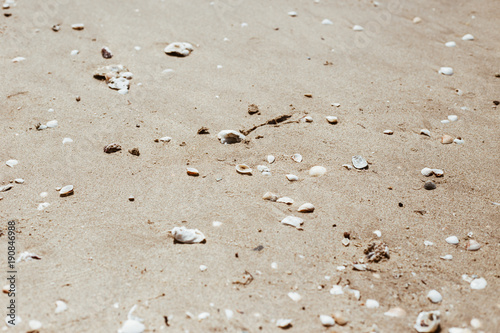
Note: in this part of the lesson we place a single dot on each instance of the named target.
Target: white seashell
(294, 296)
(447, 257)
(270, 196)
(467, 278)
(427, 172)
(292, 178)
(371, 304)
(203, 268)
(475, 323)
(203, 315)
(450, 44)
(292, 14)
(332, 119)
(283, 323)
(317, 171)
(468, 37)
(359, 267)
(347, 166)
(297, 158)
(187, 236)
(428, 322)
(270, 159)
(306, 208)
(266, 173)
(336, 290)
(472, 245)
(6, 188)
(417, 19)
(326, 320)
(326, 22)
(308, 119)
(229, 313)
(293, 221)
(378, 233)
(478, 284)
(132, 326)
(274, 265)
(395, 313)
(77, 26)
(445, 121)
(27, 256)
(165, 139)
(230, 136)
(388, 132)
(178, 49)
(52, 124)
(346, 241)
(425, 131)
(452, 240)
(35, 324)
(340, 318)
(358, 28)
(438, 172)
(335, 104)
(19, 181)
(434, 296)
(42, 127)
(43, 205)
(446, 71)
(18, 59)
(262, 168)
(428, 243)
(285, 200)
(61, 306)
(359, 162)
(67, 140)
(66, 190)
(459, 141)
(243, 169)
(192, 172)
(12, 163)
(74, 52)
(446, 139)
(459, 330)
(452, 117)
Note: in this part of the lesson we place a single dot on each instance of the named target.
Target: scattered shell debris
(117, 77)
(377, 251)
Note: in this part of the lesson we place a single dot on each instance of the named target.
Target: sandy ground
(102, 254)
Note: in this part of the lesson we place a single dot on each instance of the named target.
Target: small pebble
(292, 14)
(371, 304)
(131, 198)
(388, 132)
(292, 178)
(340, 318)
(332, 119)
(134, 151)
(452, 240)
(429, 186)
(475, 323)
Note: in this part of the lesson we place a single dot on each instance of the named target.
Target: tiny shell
(165, 139)
(378, 233)
(308, 119)
(346, 241)
(428, 243)
(428, 322)
(358, 28)
(459, 141)
(292, 178)
(359, 162)
(426, 172)
(438, 172)
(306, 208)
(270, 196)
(446, 139)
(478, 284)
(336, 290)
(293, 221)
(67, 140)
(230, 136)
(283, 323)
(452, 117)
(425, 131)
(178, 49)
(132, 326)
(446, 71)
(447, 257)
(472, 245)
(6, 188)
(203, 315)
(388, 132)
(192, 172)
(326, 22)
(317, 171)
(77, 26)
(335, 104)
(292, 14)
(450, 44)
(285, 200)
(452, 240)
(187, 236)
(12, 163)
(371, 304)
(417, 19)
(270, 159)
(52, 124)
(359, 267)
(61, 306)
(35, 324)
(434, 296)
(66, 191)
(243, 169)
(395, 312)
(347, 166)
(468, 37)
(203, 268)
(297, 158)
(326, 320)
(262, 168)
(340, 318)
(332, 119)
(294, 296)
(111, 148)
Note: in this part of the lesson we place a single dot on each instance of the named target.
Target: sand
(99, 249)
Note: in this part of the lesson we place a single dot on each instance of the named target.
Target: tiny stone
(326, 320)
(388, 132)
(192, 172)
(19, 180)
(308, 95)
(203, 130)
(446, 71)
(332, 119)
(134, 151)
(78, 99)
(131, 198)
(106, 53)
(253, 109)
(429, 186)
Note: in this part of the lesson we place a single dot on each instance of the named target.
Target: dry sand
(98, 248)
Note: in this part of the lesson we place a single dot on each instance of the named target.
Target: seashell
(6, 188)
(294, 296)
(262, 168)
(335, 104)
(293, 221)
(326, 22)
(52, 124)
(119, 83)
(132, 326)
(12, 163)
(297, 158)
(230, 136)
(106, 53)
(459, 330)
(77, 26)
(450, 44)
(306, 208)
(468, 37)
(478, 284)
(426, 172)
(388, 132)
(428, 243)
(395, 313)
(347, 166)
(434, 296)
(452, 240)
(292, 178)
(378, 233)
(203, 315)
(229, 313)
(332, 119)
(292, 14)
(19, 181)
(203, 268)
(34, 325)
(336, 290)
(216, 224)
(346, 241)
(308, 119)
(61, 306)
(359, 162)
(458, 141)
(67, 140)
(429, 186)
(446, 71)
(43, 205)
(472, 245)
(74, 52)
(243, 169)
(359, 267)
(371, 304)
(445, 121)
(425, 131)
(417, 20)
(475, 323)
(270, 159)
(447, 257)
(452, 117)
(270, 196)
(165, 139)
(178, 49)
(326, 320)
(428, 322)
(187, 236)
(317, 171)
(27, 256)
(340, 318)
(358, 28)
(66, 191)
(284, 323)
(112, 148)
(467, 278)
(446, 139)
(18, 59)
(285, 200)
(266, 173)
(192, 172)
(438, 172)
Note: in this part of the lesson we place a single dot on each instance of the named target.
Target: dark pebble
(429, 186)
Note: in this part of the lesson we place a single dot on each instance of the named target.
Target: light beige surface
(98, 248)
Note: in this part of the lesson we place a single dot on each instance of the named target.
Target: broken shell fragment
(111, 148)
(306, 208)
(5, 188)
(165, 139)
(446, 139)
(326, 320)
(77, 26)
(293, 221)
(252, 109)
(446, 71)
(371, 304)
(332, 119)
(187, 236)
(438, 172)
(192, 172)
(284, 323)
(61, 306)
(428, 322)
(178, 49)
(11, 163)
(359, 162)
(230, 136)
(292, 178)
(426, 172)
(447, 257)
(468, 37)
(317, 171)
(297, 158)
(243, 169)
(388, 132)
(285, 200)
(478, 284)
(66, 191)
(425, 131)
(270, 159)
(472, 245)
(270, 196)
(294, 296)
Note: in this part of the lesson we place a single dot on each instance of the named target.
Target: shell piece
(283, 323)
(371, 304)
(332, 119)
(446, 71)
(472, 245)
(446, 139)
(132, 326)
(61, 306)
(35, 324)
(43, 205)
(52, 124)
(426, 172)
(292, 13)
(428, 322)
(347, 166)
(67, 140)
(346, 242)
(285, 200)
(326, 22)
(395, 313)
(178, 49)
(263, 168)
(336, 290)
(417, 20)
(243, 169)
(297, 158)
(308, 119)
(459, 141)
(230, 137)
(447, 257)
(359, 162)
(317, 171)
(358, 28)
(340, 318)
(450, 44)
(326, 320)
(388, 132)
(425, 131)
(165, 139)
(292, 178)
(294, 296)
(111, 148)
(438, 172)
(77, 26)
(270, 196)
(12, 163)
(270, 159)
(66, 191)
(192, 172)
(468, 37)
(478, 284)
(6, 188)
(434, 296)
(293, 221)
(187, 236)
(452, 240)
(452, 117)
(306, 208)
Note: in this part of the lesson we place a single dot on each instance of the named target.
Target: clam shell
(230, 137)
(452, 240)
(292, 178)
(270, 196)
(332, 119)
(285, 200)
(306, 208)
(270, 159)
(12, 163)
(293, 221)
(428, 322)
(472, 245)
(326, 320)
(478, 284)
(192, 172)
(5, 188)
(297, 158)
(468, 37)
(359, 162)
(426, 172)
(446, 71)
(178, 49)
(243, 169)
(446, 139)
(317, 171)
(66, 190)
(425, 131)
(187, 236)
